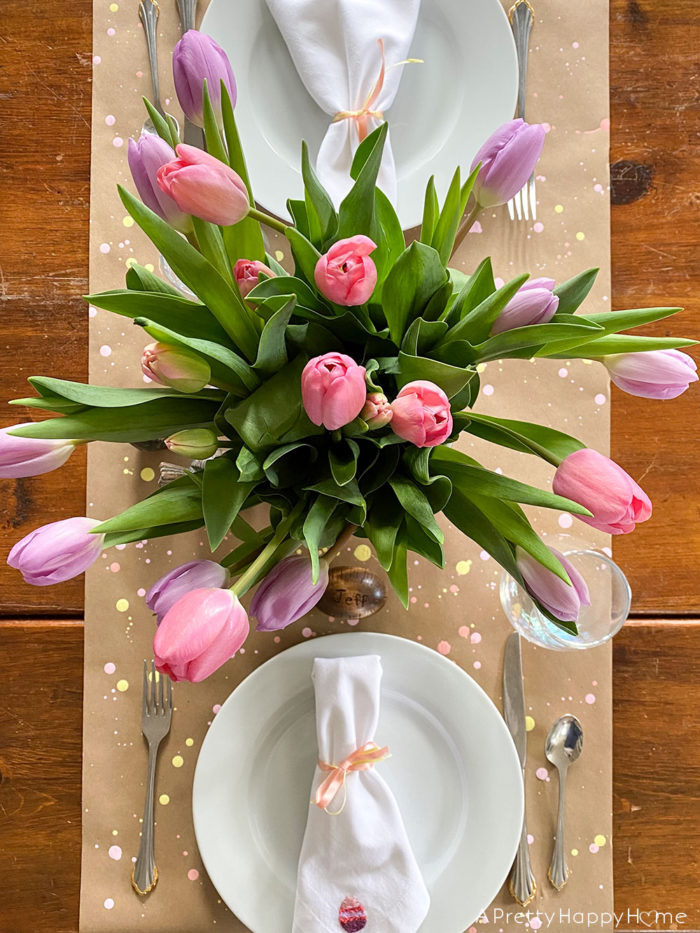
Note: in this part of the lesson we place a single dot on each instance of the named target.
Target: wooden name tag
(353, 593)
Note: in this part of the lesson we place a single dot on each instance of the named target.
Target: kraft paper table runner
(455, 612)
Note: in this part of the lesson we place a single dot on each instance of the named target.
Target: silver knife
(521, 883)
(192, 135)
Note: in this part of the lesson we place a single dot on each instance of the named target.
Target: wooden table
(45, 74)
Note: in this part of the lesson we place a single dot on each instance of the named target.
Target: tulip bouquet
(332, 394)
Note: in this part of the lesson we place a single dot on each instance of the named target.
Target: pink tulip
(198, 58)
(57, 552)
(246, 272)
(204, 186)
(287, 593)
(333, 390)
(146, 157)
(194, 575)
(652, 374)
(562, 600)
(533, 303)
(345, 274)
(203, 630)
(422, 414)
(508, 158)
(175, 367)
(30, 456)
(603, 487)
(377, 411)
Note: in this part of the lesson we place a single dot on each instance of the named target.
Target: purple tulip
(652, 374)
(194, 575)
(533, 303)
(57, 552)
(508, 158)
(287, 593)
(562, 600)
(197, 58)
(30, 456)
(145, 158)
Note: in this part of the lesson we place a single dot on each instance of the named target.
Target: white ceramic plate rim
(457, 687)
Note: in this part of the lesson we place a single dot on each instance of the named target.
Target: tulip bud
(508, 158)
(194, 575)
(205, 187)
(333, 390)
(616, 502)
(195, 443)
(198, 58)
(377, 411)
(30, 456)
(57, 552)
(175, 367)
(146, 157)
(564, 601)
(246, 272)
(533, 303)
(422, 414)
(199, 633)
(652, 374)
(345, 274)
(287, 593)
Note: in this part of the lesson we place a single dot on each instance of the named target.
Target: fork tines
(156, 699)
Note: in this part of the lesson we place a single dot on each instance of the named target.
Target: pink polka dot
(563, 373)
(487, 389)
(414, 599)
(464, 631)
(92, 311)
(114, 852)
(605, 123)
(530, 839)
(484, 555)
(454, 588)
(574, 45)
(538, 227)
(104, 247)
(499, 282)
(477, 665)
(565, 520)
(306, 632)
(105, 350)
(215, 708)
(475, 638)
(96, 59)
(117, 141)
(111, 31)
(547, 127)
(541, 774)
(117, 547)
(115, 567)
(600, 399)
(140, 592)
(193, 874)
(593, 848)
(110, 119)
(277, 639)
(444, 647)
(598, 188)
(110, 668)
(476, 227)
(535, 923)
(590, 699)
(109, 903)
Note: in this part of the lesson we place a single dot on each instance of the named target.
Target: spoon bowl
(564, 742)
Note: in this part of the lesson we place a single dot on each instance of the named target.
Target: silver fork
(521, 16)
(149, 11)
(155, 724)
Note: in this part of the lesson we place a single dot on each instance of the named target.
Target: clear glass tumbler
(610, 594)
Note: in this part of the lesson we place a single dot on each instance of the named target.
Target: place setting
(350, 595)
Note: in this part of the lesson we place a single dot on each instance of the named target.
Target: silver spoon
(149, 11)
(562, 748)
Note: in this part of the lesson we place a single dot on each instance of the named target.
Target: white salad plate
(453, 769)
(445, 108)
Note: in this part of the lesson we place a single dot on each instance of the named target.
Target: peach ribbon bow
(362, 759)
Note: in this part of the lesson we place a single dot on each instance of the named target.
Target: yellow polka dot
(178, 761)
(130, 262)
(586, 362)
(113, 7)
(122, 685)
(480, 367)
(558, 208)
(128, 221)
(189, 742)
(362, 552)
(164, 799)
(115, 832)
(529, 723)
(463, 567)
(122, 605)
(580, 236)
(279, 255)
(600, 840)
(149, 266)
(574, 851)
(147, 474)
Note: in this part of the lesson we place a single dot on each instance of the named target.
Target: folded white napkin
(356, 868)
(333, 44)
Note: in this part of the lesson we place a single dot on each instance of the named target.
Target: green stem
(262, 218)
(465, 227)
(247, 579)
(344, 536)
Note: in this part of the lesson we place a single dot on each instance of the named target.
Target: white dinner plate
(444, 110)
(453, 769)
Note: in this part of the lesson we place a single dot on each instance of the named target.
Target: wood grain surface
(45, 75)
